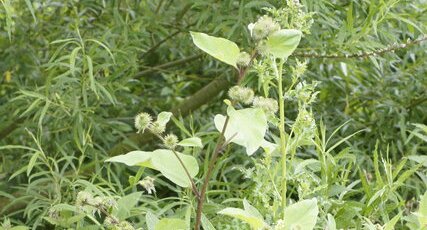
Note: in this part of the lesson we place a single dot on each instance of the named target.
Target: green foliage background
(74, 74)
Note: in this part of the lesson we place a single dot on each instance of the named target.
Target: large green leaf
(282, 43)
(246, 127)
(163, 160)
(219, 48)
(166, 162)
(302, 215)
(171, 223)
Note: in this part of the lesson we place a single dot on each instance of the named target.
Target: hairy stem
(278, 67)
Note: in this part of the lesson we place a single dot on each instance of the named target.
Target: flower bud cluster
(241, 94)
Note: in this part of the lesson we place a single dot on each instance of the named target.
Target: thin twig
(378, 52)
(167, 65)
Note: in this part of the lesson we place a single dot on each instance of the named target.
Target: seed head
(84, 198)
(142, 121)
(157, 128)
(111, 221)
(124, 225)
(170, 141)
(244, 59)
(148, 184)
(264, 27)
(241, 94)
(269, 105)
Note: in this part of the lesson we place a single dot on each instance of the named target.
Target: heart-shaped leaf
(282, 43)
(163, 160)
(246, 127)
(219, 48)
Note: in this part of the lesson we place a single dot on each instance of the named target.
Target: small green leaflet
(282, 43)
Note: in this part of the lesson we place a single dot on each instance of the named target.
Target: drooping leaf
(166, 162)
(219, 48)
(282, 43)
(246, 127)
(301, 215)
(171, 223)
(163, 160)
(131, 158)
(191, 142)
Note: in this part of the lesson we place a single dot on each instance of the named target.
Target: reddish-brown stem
(218, 148)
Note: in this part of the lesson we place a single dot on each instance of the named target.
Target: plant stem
(278, 70)
(218, 148)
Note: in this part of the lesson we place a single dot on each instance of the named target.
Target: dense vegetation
(196, 114)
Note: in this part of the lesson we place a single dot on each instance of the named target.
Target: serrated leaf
(282, 43)
(219, 48)
(246, 127)
(191, 142)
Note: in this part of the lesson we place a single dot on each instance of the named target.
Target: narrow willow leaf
(422, 210)
(73, 57)
(32, 162)
(191, 142)
(219, 48)
(282, 43)
(206, 223)
(151, 220)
